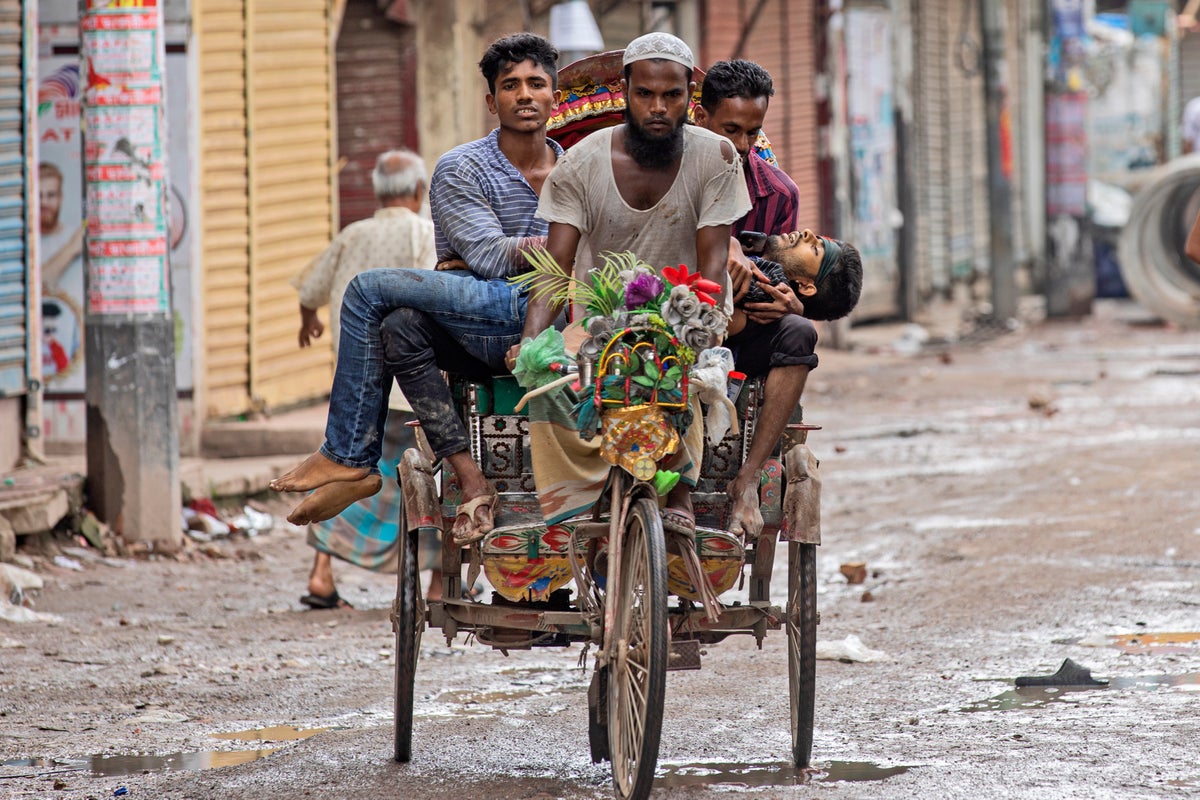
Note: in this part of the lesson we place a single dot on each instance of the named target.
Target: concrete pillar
(132, 417)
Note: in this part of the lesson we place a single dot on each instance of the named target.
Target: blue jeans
(485, 317)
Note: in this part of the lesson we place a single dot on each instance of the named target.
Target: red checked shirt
(774, 199)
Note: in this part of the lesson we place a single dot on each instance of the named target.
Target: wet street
(1017, 501)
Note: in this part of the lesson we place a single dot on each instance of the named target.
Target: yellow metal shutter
(289, 66)
(225, 233)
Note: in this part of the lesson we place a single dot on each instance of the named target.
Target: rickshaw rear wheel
(409, 622)
(637, 665)
(802, 647)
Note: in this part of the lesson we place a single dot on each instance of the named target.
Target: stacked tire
(1153, 265)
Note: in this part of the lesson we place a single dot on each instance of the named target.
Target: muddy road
(1017, 502)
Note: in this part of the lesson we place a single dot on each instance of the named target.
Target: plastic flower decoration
(679, 276)
(626, 292)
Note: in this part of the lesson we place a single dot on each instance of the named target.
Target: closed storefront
(949, 145)
(14, 303)
(20, 337)
(376, 100)
(869, 216)
(266, 164)
(781, 36)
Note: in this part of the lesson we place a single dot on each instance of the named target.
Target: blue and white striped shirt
(484, 209)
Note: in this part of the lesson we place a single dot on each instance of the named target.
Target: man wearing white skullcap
(662, 189)
(659, 45)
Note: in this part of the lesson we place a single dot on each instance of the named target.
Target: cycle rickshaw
(611, 577)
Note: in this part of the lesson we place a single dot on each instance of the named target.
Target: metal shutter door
(289, 119)
(376, 101)
(225, 208)
(12, 203)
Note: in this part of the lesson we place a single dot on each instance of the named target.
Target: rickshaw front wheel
(408, 614)
(637, 664)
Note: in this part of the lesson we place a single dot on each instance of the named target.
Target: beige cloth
(708, 191)
(392, 238)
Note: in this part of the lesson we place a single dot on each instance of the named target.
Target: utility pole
(132, 416)
(1000, 162)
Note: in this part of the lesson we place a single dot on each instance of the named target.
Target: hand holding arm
(783, 302)
(561, 244)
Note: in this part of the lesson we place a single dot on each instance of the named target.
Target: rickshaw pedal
(684, 654)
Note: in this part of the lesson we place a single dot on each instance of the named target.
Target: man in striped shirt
(767, 338)
(462, 318)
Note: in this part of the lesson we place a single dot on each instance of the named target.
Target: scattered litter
(855, 571)
(11, 613)
(155, 716)
(849, 650)
(1069, 674)
(252, 521)
(120, 790)
(68, 563)
(94, 530)
(10, 644)
(81, 554)
(910, 341)
(165, 638)
(202, 526)
(14, 577)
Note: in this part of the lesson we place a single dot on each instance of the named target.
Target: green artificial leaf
(635, 362)
(651, 369)
(642, 380)
(667, 384)
(614, 392)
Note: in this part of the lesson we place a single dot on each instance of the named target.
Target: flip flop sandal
(471, 532)
(680, 522)
(318, 602)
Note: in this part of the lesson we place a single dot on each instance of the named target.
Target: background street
(1018, 500)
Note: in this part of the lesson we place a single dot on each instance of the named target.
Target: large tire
(637, 667)
(409, 622)
(802, 647)
(1153, 264)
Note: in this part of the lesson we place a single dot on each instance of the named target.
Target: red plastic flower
(679, 276)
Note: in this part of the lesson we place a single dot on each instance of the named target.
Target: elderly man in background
(396, 236)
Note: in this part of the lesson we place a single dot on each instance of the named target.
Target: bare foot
(745, 516)
(314, 472)
(332, 499)
(320, 580)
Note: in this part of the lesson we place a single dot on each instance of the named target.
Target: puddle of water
(1165, 643)
(1156, 642)
(277, 733)
(113, 766)
(103, 765)
(1030, 697)
(780, 773)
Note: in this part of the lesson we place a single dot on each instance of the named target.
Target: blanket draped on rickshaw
(569, 472)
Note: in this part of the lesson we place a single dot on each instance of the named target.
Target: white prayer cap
(658, 45)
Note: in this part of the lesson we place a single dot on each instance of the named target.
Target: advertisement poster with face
(61, 193)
